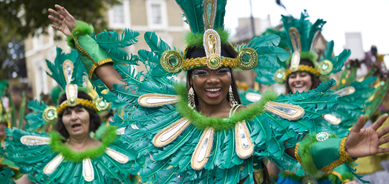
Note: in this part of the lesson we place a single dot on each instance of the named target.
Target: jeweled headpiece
(69, 73)
(302, 36)
(206, 21)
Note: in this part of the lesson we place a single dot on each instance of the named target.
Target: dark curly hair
(95, 120)
(315, 80)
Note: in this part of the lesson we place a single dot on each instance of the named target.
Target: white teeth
(213, 89)
(298, 86)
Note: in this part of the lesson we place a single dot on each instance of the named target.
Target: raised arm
(328, 154)
(103, 70)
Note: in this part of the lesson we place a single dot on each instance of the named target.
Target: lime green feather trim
(306, 156)
(70, 41)
(294, 177)
(196, 40)
(81, 28)
(201, 122)
(57, 145)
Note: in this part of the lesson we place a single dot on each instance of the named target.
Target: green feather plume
(305, 28)
(337, 61)
(196, 39)
(193, 11)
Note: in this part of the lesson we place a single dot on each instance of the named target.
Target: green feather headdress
(301, 36)
(206, 21)
(68, 71)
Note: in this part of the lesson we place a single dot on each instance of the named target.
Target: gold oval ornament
(102, 105)
(50, 114)
(280, 76)
(325, 67)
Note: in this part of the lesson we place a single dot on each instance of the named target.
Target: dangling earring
(231, 97)
(191, 100)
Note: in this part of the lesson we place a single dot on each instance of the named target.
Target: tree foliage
(21, 18)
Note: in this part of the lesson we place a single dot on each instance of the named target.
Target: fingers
(383, 131)
(379, 122)
(67, 14)
(383, 140)
(58, 7)
(55, 14)
(56, 27)
(358, 126)
(383, 150)
(58, 21)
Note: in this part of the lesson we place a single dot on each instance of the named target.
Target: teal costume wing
(5, 175)
(33, 153)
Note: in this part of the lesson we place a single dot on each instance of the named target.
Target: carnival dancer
(197, 132)
(303, 72)
(69, 154)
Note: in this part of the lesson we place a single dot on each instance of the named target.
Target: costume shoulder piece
(46, 159)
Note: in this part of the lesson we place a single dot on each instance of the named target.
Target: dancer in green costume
(303, 72)
(69, 154)
(197, 132)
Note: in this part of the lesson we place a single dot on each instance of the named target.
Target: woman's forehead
(75, 107)
(300, 72)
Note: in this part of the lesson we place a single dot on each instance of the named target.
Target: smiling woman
(302, 80)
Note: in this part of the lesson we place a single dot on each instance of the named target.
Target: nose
(73, 115)
(213, 78)
(298, 78)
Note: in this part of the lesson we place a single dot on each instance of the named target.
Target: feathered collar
(57, 145)
(202, 122)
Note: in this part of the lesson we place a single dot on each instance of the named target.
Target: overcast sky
(370, 17)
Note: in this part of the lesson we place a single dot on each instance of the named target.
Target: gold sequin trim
(81, 101)
(343, 157)
(101, 62)
(198, 62)
(296, 153)
(82, 50)
(304, 68)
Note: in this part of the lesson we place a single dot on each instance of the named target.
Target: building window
(40, 78)
(156, 13)
(119, 15)
(37, 40)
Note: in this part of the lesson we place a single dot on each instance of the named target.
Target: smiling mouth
(213, 92)
(299, 86)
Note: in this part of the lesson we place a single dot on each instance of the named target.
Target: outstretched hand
(365, 142)
(63, 18)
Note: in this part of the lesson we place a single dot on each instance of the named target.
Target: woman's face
(211, 86)
(300, 81)
(76, 121)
